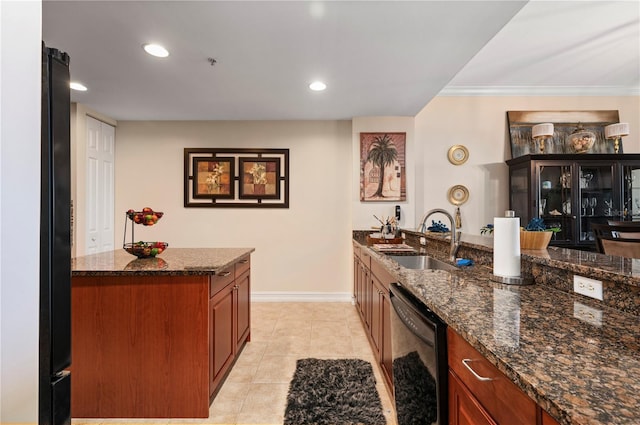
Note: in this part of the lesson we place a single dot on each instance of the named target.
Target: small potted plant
(535, 235)
(486, 229)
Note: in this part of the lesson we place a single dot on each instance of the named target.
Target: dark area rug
(333, 392)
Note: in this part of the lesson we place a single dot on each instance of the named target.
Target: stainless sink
(422, 262)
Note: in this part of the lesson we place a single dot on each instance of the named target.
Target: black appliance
(419, 353)
(54, 403)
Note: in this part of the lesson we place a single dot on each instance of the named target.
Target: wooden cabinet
(371, 295)
(222, 339)
(464, 408)
(229, 320)
(242, 304)
(572, 191)
(547, 419)
(480, 394)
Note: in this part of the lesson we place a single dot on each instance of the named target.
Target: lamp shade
(542, 130)
(616, 130)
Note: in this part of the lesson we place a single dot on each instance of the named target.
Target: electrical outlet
(587, 314)
(588, 287)
(423, 241)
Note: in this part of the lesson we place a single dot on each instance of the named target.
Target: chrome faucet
(455, 236)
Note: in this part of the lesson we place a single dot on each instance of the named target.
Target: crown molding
(540, 91)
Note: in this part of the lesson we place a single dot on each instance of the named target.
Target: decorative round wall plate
(458, 194)
(458, 154)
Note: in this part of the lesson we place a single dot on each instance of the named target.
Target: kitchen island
(155, 337)
(576, 358)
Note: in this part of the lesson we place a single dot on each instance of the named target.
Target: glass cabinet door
(519, 193)
(553, 199)
(596, 200)
(630, 205)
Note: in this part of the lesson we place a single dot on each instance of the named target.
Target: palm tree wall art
(382, 167)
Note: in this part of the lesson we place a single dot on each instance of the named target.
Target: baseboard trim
(317, 297)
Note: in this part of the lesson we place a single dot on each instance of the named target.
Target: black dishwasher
(419, 352)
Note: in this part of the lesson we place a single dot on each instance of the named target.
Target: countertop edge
(157, 266)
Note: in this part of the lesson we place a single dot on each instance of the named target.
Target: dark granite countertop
(578, 359)
(174, 261)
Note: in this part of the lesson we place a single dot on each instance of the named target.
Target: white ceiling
(386, 58)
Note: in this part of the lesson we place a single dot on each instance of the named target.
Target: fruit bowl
(146, 217)
(145, 249)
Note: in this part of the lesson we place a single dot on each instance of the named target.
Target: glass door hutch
(572, 191)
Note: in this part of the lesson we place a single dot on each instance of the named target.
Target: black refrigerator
(54, 394)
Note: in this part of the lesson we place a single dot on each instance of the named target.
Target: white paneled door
(100, 182)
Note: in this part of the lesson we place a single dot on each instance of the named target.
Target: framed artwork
(213, 178)
(564, 123)
(236, 178)
(382, 167)
(260, 178)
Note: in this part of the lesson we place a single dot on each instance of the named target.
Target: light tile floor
(256, 389)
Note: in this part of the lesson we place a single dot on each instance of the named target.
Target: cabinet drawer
(243, 265)
(365, 258)
(356, 249)
(504, 401)
(219, 280)
(382, 274)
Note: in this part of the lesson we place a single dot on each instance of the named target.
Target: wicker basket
(534, 240)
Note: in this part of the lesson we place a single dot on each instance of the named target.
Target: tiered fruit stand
(141, 249)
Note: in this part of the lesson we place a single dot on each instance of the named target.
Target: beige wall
(301, 251)
(480, 124)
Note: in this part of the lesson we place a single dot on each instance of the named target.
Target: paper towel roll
(506, 246)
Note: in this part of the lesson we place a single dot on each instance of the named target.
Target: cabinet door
(357, 283)
(519, 184)
(367, 296)
(464, 409)
(243, 317)
(386, 359)
(629, 208)
(596, 198)
(222, 339)
(553, 199)
(376, 314)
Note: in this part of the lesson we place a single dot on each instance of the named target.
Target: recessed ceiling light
(77, 86)
(156, 50)
(317, 86)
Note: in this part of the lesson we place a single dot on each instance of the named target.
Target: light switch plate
(588, 287)
(587, 314)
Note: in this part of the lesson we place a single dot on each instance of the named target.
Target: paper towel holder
(512, 280)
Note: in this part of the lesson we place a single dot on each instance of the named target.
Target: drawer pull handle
(466, 362)
(224, 274)
(243, 261)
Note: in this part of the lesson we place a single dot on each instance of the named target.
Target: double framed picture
(239, 178)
